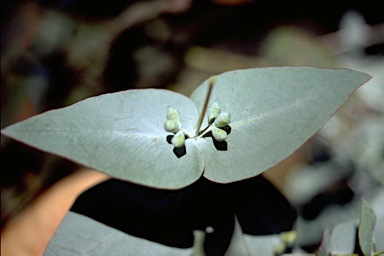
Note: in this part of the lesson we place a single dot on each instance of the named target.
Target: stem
(212, 81)
(207, 130)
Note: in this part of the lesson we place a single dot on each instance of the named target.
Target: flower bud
(173, 114)
(278, 249)
(219, 134)
(212, 80)
(288, 237)
(171, 126)
(213, 111)
(223, 119)
(178, 140)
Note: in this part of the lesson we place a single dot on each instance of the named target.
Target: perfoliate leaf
(273, 111)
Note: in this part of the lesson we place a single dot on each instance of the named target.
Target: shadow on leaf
(220, 145)
(179, 152)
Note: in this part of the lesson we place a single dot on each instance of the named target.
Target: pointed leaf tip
(121, 134)
(273, 112)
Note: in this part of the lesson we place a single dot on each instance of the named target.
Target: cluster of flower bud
(173, 124)
(287, 239)
(218, 120)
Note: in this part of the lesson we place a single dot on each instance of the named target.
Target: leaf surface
(342, 238)
(366, 226)
(325, 245)
(274, 111)
(121, 134)
(80, 235)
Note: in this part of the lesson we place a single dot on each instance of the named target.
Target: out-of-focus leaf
(325, 246)
(238, 245)
(377, 205)
(263, 245)
(169, 217)
(80, 235)
(295, 46)
(366, 226)
(274, 111)
(248, 245)
(152, 214)
(342, 239)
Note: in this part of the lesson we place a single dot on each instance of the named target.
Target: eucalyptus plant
(233, 127)
(268, 113)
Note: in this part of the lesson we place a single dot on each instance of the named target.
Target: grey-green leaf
(274, 111)
(244, 244)
(121, 134)
(342, 238)
(80, 235)
(325, 245)
(366, 226)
